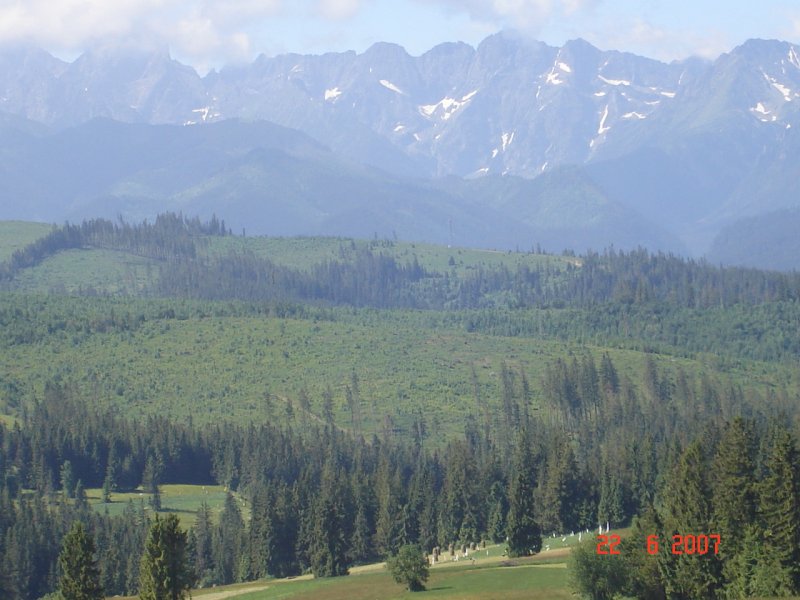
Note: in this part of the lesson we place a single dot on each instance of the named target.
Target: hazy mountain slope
(269, 179)
(562, 209)
(765, 241)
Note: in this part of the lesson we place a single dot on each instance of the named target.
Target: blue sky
(209, 33)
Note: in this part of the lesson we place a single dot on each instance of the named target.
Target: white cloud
(793, 31)
(520, 14)
(642, 37)
(338, 9)
(204, 29)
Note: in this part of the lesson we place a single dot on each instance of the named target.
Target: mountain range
(505, 145)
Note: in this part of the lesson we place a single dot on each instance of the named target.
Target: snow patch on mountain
(785, 91)
(390, 86)
(634, 115)
(762, 114)
(399, 128)
(332, 93)
(205, 113)
(613, 81)
(445, 107)
(668, 94)
(793, 57)
(564, 67)
(599, 94)
(506, 140)
(552, 78)
(602, 129)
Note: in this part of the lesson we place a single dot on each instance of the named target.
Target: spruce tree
(524, 536)
(67, 479)
(329, 556)
(202, 533)
(734, 496)
(80, 577)
(227, 542)
(642, 575)
(780, 507)
(687, 507)
(164, 573)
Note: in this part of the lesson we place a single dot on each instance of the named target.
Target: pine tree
(67, 479)
(734, 496)
(780, 507)
(642, 574)
(228, 542)
(202, 533)
(687, 505)
(81, 501)
(106, 491)
(164, 573)
(80, 577)
(329, 552)
(360, 546)
(524, 536)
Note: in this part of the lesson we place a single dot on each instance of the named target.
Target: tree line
(170, 236)
(368, 275)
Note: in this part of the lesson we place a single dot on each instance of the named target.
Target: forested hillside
(357, 396)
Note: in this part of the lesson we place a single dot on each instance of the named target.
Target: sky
(211, 33)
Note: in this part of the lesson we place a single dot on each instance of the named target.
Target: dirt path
(229, 593)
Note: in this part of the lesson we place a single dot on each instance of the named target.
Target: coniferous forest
(666, 402)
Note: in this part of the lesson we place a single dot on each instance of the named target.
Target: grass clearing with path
(182, 500)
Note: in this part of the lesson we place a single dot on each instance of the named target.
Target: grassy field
(81, 271)
(488, 577)
(17, 234)
(182, 500)
(529, 581)
(304, 252)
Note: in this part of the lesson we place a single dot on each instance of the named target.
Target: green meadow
(182, 500)
(15, 235)
(304, 252)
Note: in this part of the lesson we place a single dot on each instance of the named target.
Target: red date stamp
(610, 541)
(688, 544)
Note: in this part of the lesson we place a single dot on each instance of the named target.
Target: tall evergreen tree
(687, 504)
(80, 577)
(780, 506)
(734, 496)
(202, 533)
(524, 536)
(228, 542)
(67, 479)
(164, 572)
(329, 552)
